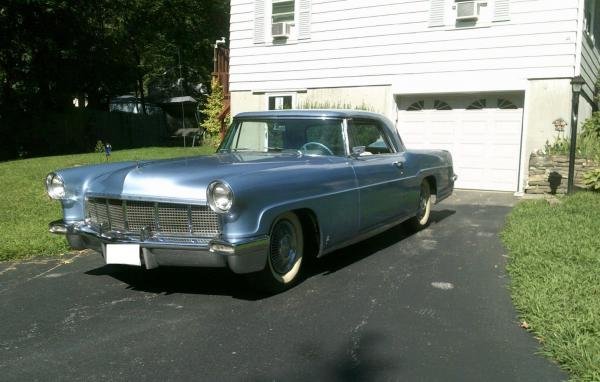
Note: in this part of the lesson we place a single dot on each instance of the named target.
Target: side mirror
(358, 151)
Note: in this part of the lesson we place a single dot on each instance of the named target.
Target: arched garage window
(506, 104)
(441, 105)
(419, 105)
(477, 104)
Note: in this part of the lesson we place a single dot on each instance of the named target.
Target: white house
(484, 79)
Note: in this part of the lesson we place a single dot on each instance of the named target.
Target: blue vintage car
(282, 187)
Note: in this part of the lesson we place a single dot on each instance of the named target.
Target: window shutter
(437, 12)
(502, 10)
(304, 19)
(259, 21)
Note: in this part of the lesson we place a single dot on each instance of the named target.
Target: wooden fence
(78, 131)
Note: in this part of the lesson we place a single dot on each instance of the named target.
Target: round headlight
(220, 196)
(55, 186)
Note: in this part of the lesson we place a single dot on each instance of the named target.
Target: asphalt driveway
(427, 306)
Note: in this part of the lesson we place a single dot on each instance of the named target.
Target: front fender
(77, 180)
(328, 190)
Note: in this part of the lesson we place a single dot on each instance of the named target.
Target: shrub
(591, 127)
(212, 111)
(310, 104)
(99, 147)
(588, 141)
(560, 146)
(592, 179)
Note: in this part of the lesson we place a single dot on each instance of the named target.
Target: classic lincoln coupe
(283, 186)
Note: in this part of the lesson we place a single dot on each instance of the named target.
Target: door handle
(398, 164)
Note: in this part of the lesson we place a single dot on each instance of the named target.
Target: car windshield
(309, 136)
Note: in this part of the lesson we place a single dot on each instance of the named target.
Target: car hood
(186, 179)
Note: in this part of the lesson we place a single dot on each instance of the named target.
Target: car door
(380, 174)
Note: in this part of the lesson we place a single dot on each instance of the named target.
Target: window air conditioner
(280, 30)
(467, 10)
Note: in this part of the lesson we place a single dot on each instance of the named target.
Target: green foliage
(310, 104)
(54, 51)
(26, 210)
(99, 147)
(560, 146)
(554, 257)
(213, 110)
(592, 179)
(591, 127)
(588, 141)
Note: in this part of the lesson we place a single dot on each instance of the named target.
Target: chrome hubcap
(283, 251)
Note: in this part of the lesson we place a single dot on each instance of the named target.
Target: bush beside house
(549, 169)
(548, 174)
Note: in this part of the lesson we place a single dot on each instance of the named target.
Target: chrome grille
(116, 213)
(174, 218)
(203, 223)
(163, 219)
(141, 215)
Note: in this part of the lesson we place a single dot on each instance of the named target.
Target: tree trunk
(140, 75)
(140, 83)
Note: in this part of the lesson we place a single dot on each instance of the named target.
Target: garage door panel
(503, 154)
(440, 139)
(485, 144)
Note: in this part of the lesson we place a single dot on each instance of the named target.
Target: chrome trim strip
(58, 227)
(257, 245)
(251, 246)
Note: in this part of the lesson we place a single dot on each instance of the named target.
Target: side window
(328, 134)
(370, 135)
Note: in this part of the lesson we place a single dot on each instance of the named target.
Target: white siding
(383, 42)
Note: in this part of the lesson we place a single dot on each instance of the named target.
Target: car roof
(310, 113)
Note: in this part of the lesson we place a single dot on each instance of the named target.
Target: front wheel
(284, 259)
(421, 219)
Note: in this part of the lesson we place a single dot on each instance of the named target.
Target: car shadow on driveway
(220, 281)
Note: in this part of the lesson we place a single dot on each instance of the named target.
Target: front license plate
(128, 254)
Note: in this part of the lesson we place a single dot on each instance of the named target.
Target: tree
(212, 111)
(57, 50)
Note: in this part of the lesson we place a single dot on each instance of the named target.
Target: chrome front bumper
(243, 256)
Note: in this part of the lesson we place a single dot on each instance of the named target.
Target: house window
(419, 105)
(441, 105)
(506, 104)
(592, 16)
(477, 105)
(472, 13)
(281, 102)
(283, 11)
(468, 13)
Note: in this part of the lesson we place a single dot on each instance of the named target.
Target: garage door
(483, 133)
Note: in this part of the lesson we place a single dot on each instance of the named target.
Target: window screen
(283, 11)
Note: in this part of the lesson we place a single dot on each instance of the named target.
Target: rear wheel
(421, 219)
(284, 259)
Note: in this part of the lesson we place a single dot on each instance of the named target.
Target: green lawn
(555, 278)
(26, 210)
